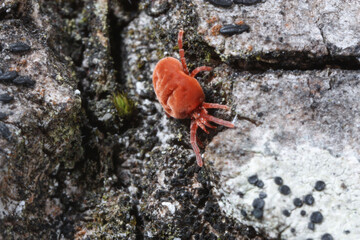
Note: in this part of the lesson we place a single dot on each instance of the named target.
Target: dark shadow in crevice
(293, 61)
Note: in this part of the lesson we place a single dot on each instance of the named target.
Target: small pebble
(316, 217)
(292, 230)
(19, 47)
(24, 80)
(286, 213)
(262, 195)
(327, 236)
(8, 76)
(6, 98)
(311, 226)
(320, 185)
(303, 213)
(253, 179)
(260, 184)
(247, 2)
(221, 3)
(232, 29)
(258, 203)
(4, 131)
(297, 202)
(347, 231)
(258, 213)
(278, 180)
(309, 199)
(284, 189)
(2, 115)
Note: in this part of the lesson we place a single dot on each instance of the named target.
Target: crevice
(293, 60)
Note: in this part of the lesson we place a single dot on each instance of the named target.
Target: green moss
(123, 104)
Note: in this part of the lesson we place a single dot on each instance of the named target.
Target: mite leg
(219, 121)
(193, 142)
(199, 142)
(215, 105)
(199, 69)
(199, 123)
(181, 51)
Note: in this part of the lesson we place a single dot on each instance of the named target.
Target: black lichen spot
(4, 131)
(279, 181)
(24, 80)
(320, 185)
(240, 194)
(258, 203)
(297, 202)
(327, 236)
(247, 2)
(309, 199)
(257, 213)
(6, 98)
(303, 213)
(232, 29)
(243, 212)
(347, 231)
(260, 184)
(7, 77)
(253, 179)
(292, 230)
(221, 3)
(262, 195)
(285, 190)
(286, 213)
(311, 226)
(19, 47)
(316, 217)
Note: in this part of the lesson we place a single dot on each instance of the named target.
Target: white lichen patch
(300, 168)
(307, 132)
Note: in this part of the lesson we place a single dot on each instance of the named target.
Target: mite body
(181, 95)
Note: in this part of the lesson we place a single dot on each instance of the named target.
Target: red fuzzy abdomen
(178, 93)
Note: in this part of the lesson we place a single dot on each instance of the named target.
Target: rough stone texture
(136, 177)
(316, 28)
(308, 131)
(42, 125)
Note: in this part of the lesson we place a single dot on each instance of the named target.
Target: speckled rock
(317, 28)
(304, 128)
(41, 131)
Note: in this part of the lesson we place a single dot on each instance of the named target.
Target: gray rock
(317, 27)
(308, 130)
(41, 130)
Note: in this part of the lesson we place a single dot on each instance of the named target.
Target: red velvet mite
(181, 95)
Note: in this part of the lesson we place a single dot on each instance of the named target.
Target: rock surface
(72, 167)
(308, 131)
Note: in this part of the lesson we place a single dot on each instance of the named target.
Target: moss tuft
(123, 104)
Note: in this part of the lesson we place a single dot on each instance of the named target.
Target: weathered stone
(317, 28)
(308, 130)
(42, 130)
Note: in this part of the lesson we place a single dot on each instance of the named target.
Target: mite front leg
(200, 69)
(182, 52)
(215, 105)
